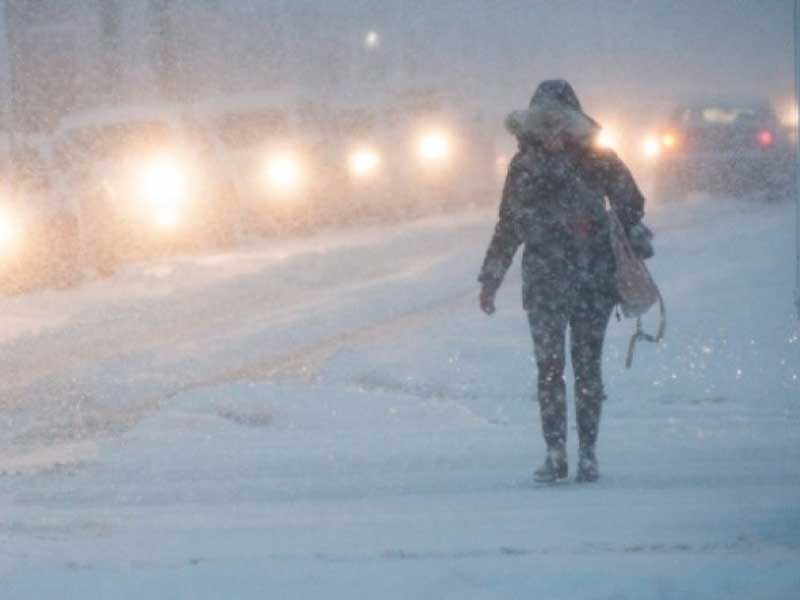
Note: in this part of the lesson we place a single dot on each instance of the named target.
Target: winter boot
(554, 468)
(588, 407)
(587, 466)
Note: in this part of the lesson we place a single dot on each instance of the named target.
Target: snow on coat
(554, 202)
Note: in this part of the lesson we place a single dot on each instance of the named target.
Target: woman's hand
(487, 300)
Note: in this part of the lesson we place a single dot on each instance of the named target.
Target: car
(719, 146)
(39, 245)
(145, 184)
(413, 153)
(271, 147)
(449, 152)
(363, 177)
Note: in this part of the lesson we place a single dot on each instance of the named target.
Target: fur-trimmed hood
(553, 110)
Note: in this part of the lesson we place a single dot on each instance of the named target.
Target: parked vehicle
(449, 156)
(271, 146)
(145, 184)
(721, 146)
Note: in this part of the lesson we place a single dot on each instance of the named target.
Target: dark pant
(587, 321)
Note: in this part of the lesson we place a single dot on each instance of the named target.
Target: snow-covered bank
(345, 423)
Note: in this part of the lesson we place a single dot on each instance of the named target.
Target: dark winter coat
(554, 203)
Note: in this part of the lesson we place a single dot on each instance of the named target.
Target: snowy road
(333, 418)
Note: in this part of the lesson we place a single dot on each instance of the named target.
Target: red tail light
(766, 137)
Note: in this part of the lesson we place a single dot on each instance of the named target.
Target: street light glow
(372, 40)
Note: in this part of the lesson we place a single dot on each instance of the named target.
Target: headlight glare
(669, 140)
(163, 182)
(283, 173)
(434, 146)
(8, 230)
(651, 147)
(166, 214)
(363, 162)
(606, 140)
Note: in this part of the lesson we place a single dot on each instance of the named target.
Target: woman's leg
(588, 327)
(548, 329)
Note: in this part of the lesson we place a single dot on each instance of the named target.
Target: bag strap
(646, 337)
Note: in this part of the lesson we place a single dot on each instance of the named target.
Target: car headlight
(163, 182)
(607, 140)
(654, 146)
(791, 117)
(282, 173)
(669, 140)
(8, 230)
(364, 162)
(434, 147)
(164, 186)
(651, 147)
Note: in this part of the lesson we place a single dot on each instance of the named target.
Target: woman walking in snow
(554, 202)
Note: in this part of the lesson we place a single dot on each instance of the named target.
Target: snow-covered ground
(334, 418)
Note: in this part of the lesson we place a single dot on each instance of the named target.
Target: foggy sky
(621, 52)
(624, 56)
(631, 57)
(630, 52)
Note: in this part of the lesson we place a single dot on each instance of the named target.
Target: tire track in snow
(101, 373)
(303, 365)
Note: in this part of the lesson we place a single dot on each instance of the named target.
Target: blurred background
(621, 55)
(138, 128)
